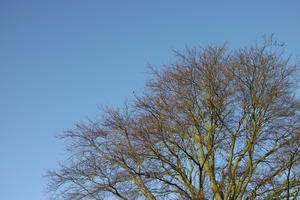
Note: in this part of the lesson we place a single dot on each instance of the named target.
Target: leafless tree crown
(216, 124)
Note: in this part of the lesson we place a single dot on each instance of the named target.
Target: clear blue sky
(60, 60)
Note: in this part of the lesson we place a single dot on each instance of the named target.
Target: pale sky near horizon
(61, 59)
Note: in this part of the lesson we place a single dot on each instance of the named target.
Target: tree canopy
(216, 124)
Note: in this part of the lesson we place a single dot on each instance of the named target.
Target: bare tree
(216, 124)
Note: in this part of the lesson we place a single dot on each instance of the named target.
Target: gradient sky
(62, 59)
